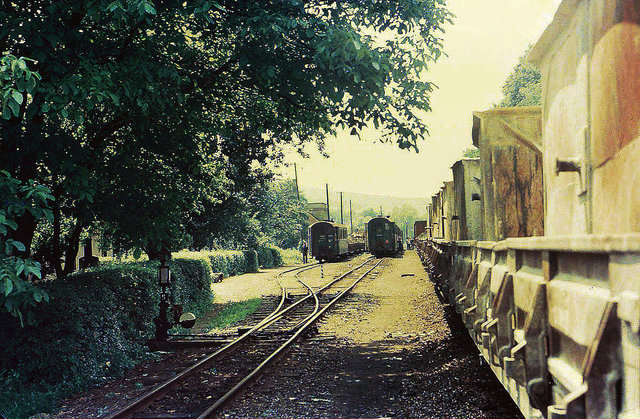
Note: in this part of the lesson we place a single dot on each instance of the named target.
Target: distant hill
(391, 205)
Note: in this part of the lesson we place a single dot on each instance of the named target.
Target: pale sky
(482, 46)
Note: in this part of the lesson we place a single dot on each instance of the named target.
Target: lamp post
(162, 322)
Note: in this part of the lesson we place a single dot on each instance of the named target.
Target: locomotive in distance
(383, 237)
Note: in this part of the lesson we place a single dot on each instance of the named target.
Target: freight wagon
(420, 227)
(550, 291)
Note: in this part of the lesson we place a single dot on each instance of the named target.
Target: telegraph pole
(295, 169)
(351, 216)
(341, 217)
(328, 215)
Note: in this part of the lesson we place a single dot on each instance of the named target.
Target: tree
(471, 153)
(523, 86)
(404, 215)
(141, 116)
(281, 214)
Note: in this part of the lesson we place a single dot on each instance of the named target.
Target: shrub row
(232, 262)
(97, 322)
(269, 257)
(227, 262)
(94, 328)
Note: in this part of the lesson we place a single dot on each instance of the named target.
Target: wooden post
(295, 169)
(328, 214)
(351, 216)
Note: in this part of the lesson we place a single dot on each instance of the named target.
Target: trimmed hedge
(276, 256)
(97, 321)
(94, 328)
(269, 256)
(234, 262)
(265, 257)
(251, 259)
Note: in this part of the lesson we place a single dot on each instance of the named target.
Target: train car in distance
(356, 243)
(384, 237)
(419, 227)
(328, 241)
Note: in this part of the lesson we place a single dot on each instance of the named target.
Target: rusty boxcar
(510, 144)
(467, 204)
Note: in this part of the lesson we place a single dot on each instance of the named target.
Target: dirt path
(399, 354)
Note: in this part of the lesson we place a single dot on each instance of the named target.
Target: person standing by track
(304, 249)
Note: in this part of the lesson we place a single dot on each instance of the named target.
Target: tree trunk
(55, 251)
(72, 249)
(24, 234)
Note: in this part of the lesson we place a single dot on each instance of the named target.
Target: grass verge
(291, 257)
(233, 313)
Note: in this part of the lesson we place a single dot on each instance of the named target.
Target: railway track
(201, 388)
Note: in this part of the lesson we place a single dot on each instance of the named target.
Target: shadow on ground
(401, 376)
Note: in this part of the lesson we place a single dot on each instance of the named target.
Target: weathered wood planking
(466, 180)
(511, 166)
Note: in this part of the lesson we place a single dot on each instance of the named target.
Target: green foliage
(146, 118)
(229, 262)
(18, 272)
(406, 215)
(291, 257)
(276, 256)
(93, 329)
(233, 313)
(265, 257)
(281, 213)
(16, 83)
(18, 400)
(523, 86)
(251, 259)
(193, 287)
(272, 212)
(269, 256)
(471, 153)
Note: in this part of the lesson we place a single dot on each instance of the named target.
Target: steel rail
(329, 284)
(284, 293)
(145, 400)
(313, 318)
(315, 310)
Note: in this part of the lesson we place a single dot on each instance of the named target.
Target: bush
(269, 256)
(251, 260)
(193, 289)
(265, 257)
(276, 255)
(94, 328)
(291, 257)
(97, 321)
(227, 262)
(236, 264)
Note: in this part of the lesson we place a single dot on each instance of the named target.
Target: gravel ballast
(397, 352)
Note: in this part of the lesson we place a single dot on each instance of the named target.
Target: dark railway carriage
(328, 241)
(384, 237)
(419, 227)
